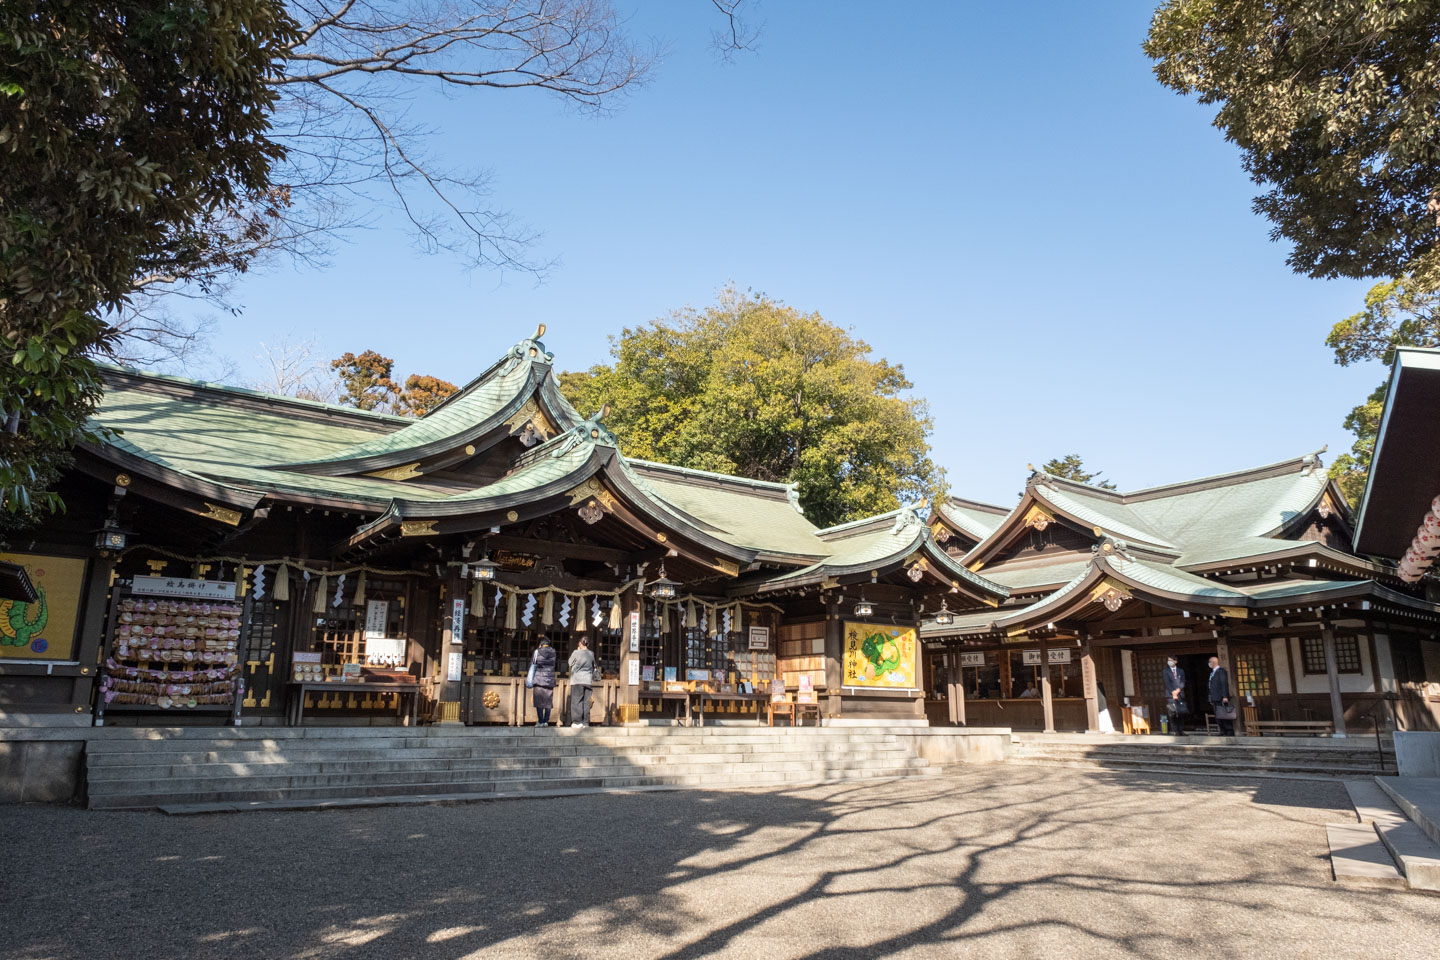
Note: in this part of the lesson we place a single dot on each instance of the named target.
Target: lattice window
(1149, 669)
(1347, 654)
(1252, 674)
(260, 641)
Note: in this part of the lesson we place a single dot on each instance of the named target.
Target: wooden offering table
(700, 696)
(296, 707)
(795, 709)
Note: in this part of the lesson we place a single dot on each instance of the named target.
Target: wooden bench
(1290, 728)
(1255, 727)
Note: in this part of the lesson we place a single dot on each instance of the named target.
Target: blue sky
(1000, 197)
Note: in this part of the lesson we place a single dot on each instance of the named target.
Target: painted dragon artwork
(21, 623)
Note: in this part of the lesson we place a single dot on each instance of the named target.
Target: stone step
(1129, 749)
(190, 809)
(306, 752)
(555, 737)
(236, 766)
(720, 770)
(502, 787)
(1418, 798)
(1190, 768)
(1358, 857)
(1416, 854)
(1356, 767)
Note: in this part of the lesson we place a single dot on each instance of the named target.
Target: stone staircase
(1307, 757)
(223, 769)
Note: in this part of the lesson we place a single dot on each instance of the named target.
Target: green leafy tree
(753, 387)
(1072, 467)
(123, 126)
(1336, 110)
(1398, 313)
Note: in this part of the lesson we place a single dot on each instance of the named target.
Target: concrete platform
(1418, 798)
(1358, 857)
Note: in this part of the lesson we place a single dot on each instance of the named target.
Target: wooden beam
(565, 551)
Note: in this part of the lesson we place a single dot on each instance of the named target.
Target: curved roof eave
(358, 461)
(138, 461)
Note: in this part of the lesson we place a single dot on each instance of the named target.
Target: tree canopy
(1072, 467)
(1398, 313)
(1336, 110)
(123, 126)
(753, 387)
(366, 382)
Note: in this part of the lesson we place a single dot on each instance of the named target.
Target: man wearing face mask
(1174, 679)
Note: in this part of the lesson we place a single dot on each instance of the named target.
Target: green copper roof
(1209, 520)
(752, 514)
(480, 402)
(211, 428)
(979, 520)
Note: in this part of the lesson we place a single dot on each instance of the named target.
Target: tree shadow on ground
(1012, 861)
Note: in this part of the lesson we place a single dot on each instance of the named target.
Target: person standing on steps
(582, 678)
(542, 681)
(1220, 703)
(1174, 679)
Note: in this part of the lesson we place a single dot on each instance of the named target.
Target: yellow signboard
(880, 657)
(45, 629)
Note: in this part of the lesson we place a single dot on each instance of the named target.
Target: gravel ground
(995, 861)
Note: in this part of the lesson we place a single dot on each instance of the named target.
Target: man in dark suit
(1174, 679)
(1220, 698)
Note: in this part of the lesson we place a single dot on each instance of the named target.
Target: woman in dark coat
(544, 687)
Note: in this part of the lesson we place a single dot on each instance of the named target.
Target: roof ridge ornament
(1111, 547)
(792, 496)
(592, 430)
(909, 517)
(532, 349)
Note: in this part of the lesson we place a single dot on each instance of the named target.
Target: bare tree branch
(345, 87)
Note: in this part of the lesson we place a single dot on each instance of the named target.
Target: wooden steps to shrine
(200, 771)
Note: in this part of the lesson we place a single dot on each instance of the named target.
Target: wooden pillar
(955, 692)
(1222, 651)
(632, 620)
(1046, 700)
(452, 641)
(1092, 695)
(834, 672)
(1332, 673)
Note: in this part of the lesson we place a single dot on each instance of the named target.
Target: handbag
(530, 674)
(1224, 711)
(1177, 708)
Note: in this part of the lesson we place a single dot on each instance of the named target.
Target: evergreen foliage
(753, 387)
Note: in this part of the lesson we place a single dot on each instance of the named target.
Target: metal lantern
(484, 568)
(863, 608)
(662, 587)
(110, 539)
(944, 617)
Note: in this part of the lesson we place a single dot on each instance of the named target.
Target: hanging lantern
(944, 617)
(483, 569)
(662, 587)
(863, 608)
